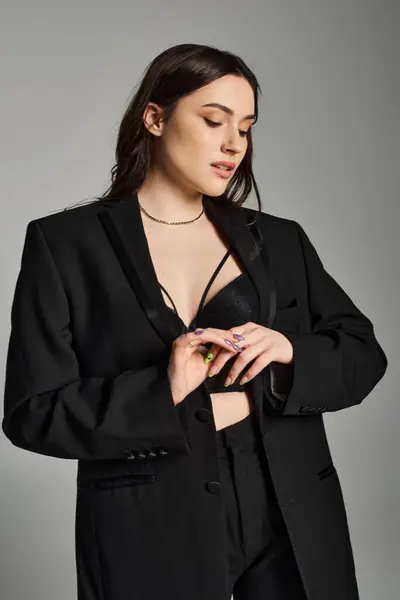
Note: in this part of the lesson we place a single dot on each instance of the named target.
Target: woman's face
(190, 142)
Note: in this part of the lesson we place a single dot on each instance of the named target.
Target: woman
(188, 488)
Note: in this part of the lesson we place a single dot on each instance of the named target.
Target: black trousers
(260, 561)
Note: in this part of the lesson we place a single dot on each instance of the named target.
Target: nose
(234, 143)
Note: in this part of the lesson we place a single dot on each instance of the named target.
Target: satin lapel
(124, 227)
(232, 222)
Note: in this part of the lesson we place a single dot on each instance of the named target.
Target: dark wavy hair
(173, 74)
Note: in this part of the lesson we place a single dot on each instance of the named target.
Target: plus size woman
(191, 485)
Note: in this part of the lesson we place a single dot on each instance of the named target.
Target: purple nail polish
(228, 342)
(238, 337)
(236, 347)
(199, 331)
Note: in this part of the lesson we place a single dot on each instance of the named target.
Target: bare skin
(185, 256)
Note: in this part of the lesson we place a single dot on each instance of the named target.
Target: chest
(191, 269)
(119, 314)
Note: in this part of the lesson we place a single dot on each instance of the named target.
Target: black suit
(86, 379)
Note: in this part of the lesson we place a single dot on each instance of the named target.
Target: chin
(213, 190)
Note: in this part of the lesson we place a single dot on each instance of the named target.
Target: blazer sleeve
(49, 408)
(336, 365)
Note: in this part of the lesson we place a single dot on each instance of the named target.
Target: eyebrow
(228, 110)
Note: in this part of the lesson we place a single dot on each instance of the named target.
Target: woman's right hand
(186, 367)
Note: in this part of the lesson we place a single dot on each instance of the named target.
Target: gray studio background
(326, 155)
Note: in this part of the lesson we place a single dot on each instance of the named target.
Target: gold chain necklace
(170, 222)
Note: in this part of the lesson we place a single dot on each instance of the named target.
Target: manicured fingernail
(236, 347)
(213, 370)
(199, 331)
(207, 360)
(243, 380)
(227, 381)
(238, 337)
(210, 355)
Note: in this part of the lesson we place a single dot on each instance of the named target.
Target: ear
(152, 118)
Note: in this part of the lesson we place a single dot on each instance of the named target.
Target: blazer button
(203, 414)
(141, 455)
(213, 487)
(151, 454)
(129, 456)
(163, 452)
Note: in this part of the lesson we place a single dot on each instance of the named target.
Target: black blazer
(86, 379)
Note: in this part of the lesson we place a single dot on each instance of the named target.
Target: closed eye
(215, 124)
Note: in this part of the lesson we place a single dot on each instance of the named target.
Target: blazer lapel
(124, 228)
(233, 223)
(123, 225)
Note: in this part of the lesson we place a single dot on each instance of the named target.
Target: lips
(225, 173)
(224, 163)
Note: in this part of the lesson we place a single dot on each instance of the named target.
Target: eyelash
(215, 124)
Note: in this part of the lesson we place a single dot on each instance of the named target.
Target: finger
(223, 355)
(190, 342)
(241, 332)
(219, 337)
(217, 363)
(187, 342)
(239, 368)
(213, 351)
(219, 356)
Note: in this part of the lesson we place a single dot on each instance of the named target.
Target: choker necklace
(170, 222)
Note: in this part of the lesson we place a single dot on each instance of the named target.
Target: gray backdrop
(326, 154)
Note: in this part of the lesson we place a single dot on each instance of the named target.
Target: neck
(164, 200)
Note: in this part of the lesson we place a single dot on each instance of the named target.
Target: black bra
(235, 303)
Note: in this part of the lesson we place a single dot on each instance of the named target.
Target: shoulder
(76, 226)
(274, 226)
(68, 232)
(77, 216)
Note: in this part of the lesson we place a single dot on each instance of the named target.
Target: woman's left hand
(258, 342)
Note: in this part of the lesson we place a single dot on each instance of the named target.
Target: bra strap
(217, 270)
(173, 304)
